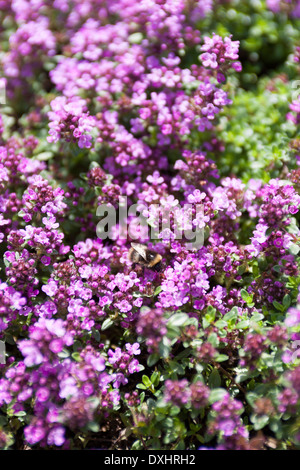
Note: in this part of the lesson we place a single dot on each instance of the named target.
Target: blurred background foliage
(254, 129)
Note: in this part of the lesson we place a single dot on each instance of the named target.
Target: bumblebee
(140, 254)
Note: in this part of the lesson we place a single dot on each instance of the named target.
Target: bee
(140, 254)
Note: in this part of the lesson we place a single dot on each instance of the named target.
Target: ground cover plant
(170, 103)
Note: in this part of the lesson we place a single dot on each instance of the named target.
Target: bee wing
(140, 249)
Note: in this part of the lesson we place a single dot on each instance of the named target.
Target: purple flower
(46, 260)
(42, 394)
(133, 348)
(56, 436)
(293, 317)
(32, 354)
(50, 289)
(133, 366)
(219, 53)
(34, 434)
(220, 199)
(177, 392)
(227, 416)
(209, 60)
(152, 325)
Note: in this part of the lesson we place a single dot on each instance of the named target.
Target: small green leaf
(173, 332)
(294, 249)
(64, 354)
(259, 422)
(93, 426)
(221, 324)
(20, 413)
(76, 356)
(155, 378)
(96, 335)
(164, 348)
(213, 339)
(178, 319)
(211, 311)
(251, 398)
(245, 296)
(278, 306)
(146, 381)
(205, 322)
(232, 314)
(242, 324)
(214, 380)
(152, 359)
(221, 357)
(44, 156)
(257, 317)
(286, 301)
(157, 290)
(141, 386)
(135, 38)
(217, 394)
(142, 397)
(107, 324)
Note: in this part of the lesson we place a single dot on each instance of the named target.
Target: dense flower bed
(168, 102)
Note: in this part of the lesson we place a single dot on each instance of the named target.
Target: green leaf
(294, 249)
(221, 324)
(173, 332)
(209, 317)
(152, 359)
(180, 445)
(76, 356)
(178, 319)
(44, 156)
(157, 290)
(275, 425)
(251, 398)
(175, 410)
(141, 386)
(164, 348)
(107, 324)
(136, 445)
(64, 354)
(232, 314)
(213, 339)
(278, 306)
(211, 311)
(241, 374)
(93, 426)
(205, 322)
(142, 397)
(155, 378)
(96, 335)
(259, 422)
(146, 381)
(242, 324)
(221, 357)
(135, 38)
(286, 301)
(20, 413)
(214, 380)
(245, 296)
(9, 338)
(217, 394)
(257, 317)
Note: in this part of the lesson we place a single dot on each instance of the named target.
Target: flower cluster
(227, 417)
(180, 393)
(69, 122)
